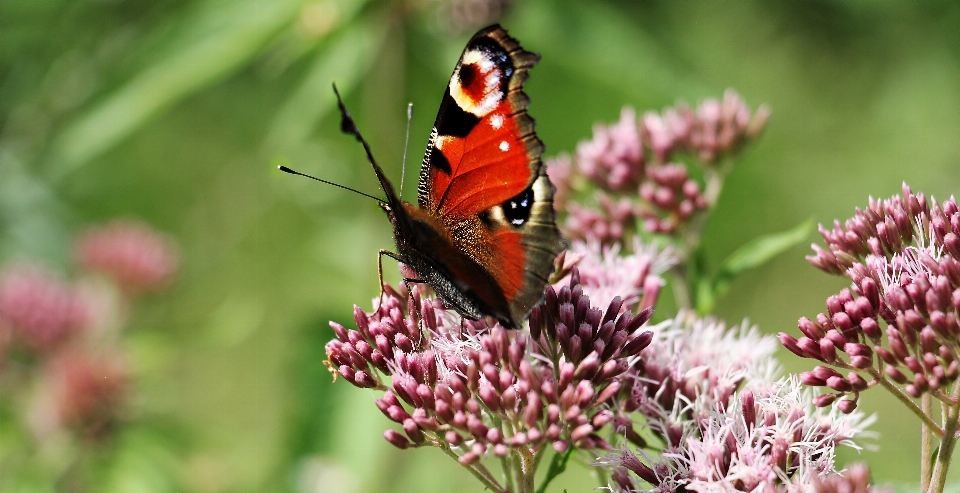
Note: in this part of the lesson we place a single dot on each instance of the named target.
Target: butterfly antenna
(349, 127)
(406, 144)
(292, 172)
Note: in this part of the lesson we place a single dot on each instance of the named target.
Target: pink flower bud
(809, 378)
(824, 400)
(827, 350)
(895, 374)
(861, 362)
(581, 432)
(871, 328)
(396, 439)
(847, 406)
(810, 329)
(608, 391)
(790, 343)
(453, 438)
(601, 419)
(413, 431)
(839, 384)
(856, 381)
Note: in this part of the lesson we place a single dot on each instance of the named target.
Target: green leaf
(221, 39)
(749, 256)
(557, 465)
(343, 62)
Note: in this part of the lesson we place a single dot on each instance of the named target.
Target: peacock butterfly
(483, 236)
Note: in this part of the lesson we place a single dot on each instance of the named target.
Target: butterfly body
(483, 236)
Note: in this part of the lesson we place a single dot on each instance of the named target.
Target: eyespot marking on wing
(517, 209)
(478, 83)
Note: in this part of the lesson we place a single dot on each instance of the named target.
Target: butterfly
(483, 234)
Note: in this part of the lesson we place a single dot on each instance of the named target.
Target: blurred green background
(177, 112)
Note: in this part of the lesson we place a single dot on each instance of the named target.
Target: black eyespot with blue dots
(517, 209)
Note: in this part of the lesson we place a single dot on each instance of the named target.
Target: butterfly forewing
(482, 177)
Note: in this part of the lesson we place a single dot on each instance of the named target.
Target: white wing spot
(441, 140)
(504, 146)
(496, 121)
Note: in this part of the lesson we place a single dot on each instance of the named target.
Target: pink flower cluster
(605, 274)
(855, 480)
(702, 404)
(89, 392)
(898, 322)
(477, 389)
(38, 309)
(767, 439)
(715, 129)
(636, 158)
(130, 253)
(695, 365)
(49, 332)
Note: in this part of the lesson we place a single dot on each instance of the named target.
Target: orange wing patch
(488, 166)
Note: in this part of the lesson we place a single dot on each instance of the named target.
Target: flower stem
(508, 471)
(689, 272)
(926, 444)
(527, 470)
(478, 472)
(939, 476)
(947, 443)
(927, 420)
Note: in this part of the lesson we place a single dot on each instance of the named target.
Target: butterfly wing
(482, 177)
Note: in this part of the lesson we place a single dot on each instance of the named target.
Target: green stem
(926, 444)
(939, 476)
(508, 470)
(682, 291)
(893, 389)
(479, 471)
(947, 443)
(687, 274)
(527, 470)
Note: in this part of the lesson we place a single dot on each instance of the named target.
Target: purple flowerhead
(638, 171)
(771, 438)
(130, 253)
(898, 320)
(478, 389)
(605, 273)
(695, 365)
(856, 479)
(38, 309)
(85, 393)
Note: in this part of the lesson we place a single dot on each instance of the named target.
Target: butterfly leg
(406, 281)
(380, 255)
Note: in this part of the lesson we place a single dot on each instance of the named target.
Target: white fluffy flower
(771, 439)
(605, 274)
